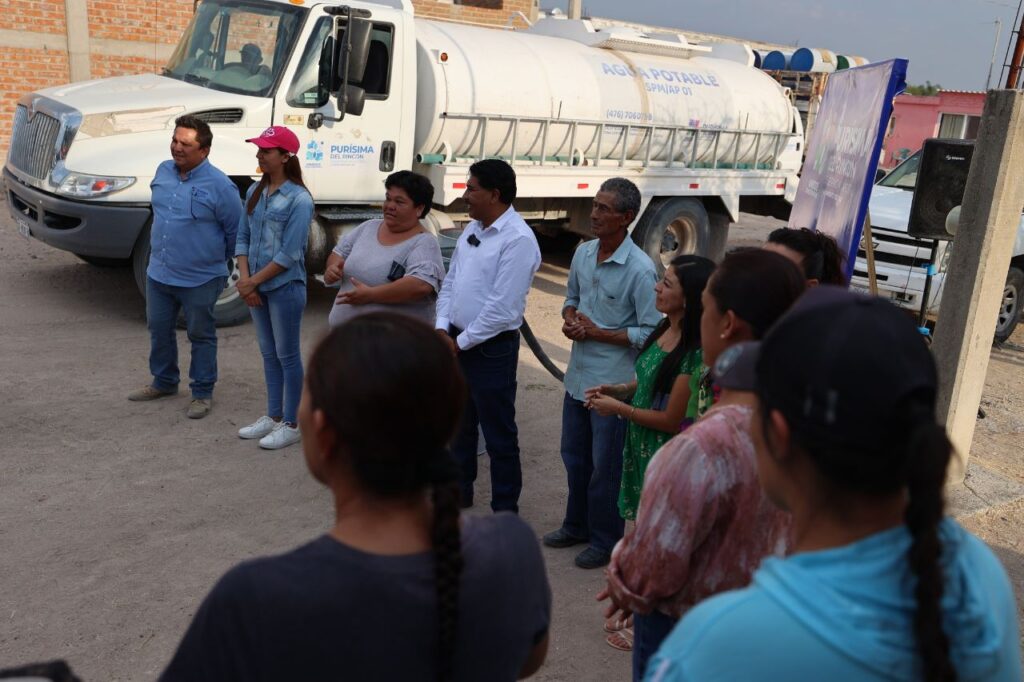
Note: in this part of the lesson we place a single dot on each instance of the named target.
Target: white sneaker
(257, 429)
(281, 437)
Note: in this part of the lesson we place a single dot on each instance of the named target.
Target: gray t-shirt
(371, 262)
(326, 611)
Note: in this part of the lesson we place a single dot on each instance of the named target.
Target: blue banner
(842, 155)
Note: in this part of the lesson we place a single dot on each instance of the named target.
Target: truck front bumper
(101, 230)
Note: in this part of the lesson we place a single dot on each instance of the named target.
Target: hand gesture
(620, 391)
(253, 300)
(613, 608)
(360, 294)
(604, 405)
(334, 272)
(246, 287)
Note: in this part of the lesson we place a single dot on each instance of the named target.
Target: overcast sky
(947, 41)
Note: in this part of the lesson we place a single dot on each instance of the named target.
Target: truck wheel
(230, 309)
(105, 262)
(1009, 309)
(673, 227)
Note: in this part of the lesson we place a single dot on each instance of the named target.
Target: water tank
(472, 70)
(848, 62)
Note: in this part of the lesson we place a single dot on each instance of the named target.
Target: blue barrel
(758, 58)
(776, 60)
(816, 60)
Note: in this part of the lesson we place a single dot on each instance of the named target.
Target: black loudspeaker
(941, 179)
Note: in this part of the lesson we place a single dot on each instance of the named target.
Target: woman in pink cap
(271, 251)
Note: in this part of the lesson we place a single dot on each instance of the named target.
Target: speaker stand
(922, 319)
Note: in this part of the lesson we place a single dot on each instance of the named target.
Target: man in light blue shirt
(196, 209)
(609, 313)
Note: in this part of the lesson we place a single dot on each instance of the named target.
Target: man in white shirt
(479, 311)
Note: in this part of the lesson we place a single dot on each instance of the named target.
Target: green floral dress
(642, 442)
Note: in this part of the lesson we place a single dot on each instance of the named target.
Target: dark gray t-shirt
(326, 611)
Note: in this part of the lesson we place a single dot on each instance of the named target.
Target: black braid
(447, 561)
(930, 451)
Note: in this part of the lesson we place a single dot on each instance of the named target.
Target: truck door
(347, 160)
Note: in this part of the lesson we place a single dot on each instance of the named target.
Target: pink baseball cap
(277, 136)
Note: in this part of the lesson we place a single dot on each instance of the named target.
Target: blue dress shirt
(194, 225)
(484, 292)
(615, 294)
(276, 232)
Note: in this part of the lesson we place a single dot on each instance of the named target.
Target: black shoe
(593, 558)
(562, 538)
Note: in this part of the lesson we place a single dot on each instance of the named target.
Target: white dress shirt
(484, 292)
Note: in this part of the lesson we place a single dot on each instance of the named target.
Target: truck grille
(33, 143)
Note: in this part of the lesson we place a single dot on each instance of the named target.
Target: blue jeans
(490, 371)
(278, 322)
(592, 448)
(163, 303)
(648, 633)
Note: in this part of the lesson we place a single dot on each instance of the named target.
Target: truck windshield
(238, 46)
(904, 175)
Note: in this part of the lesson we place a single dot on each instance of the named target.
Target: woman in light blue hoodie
(880, 585)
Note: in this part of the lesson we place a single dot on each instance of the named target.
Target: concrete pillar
(977, 269)
(76, 13)
(575, 9)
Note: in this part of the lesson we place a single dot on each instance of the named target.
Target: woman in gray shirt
(391, 264)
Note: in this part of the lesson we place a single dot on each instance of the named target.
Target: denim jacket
(277, 232)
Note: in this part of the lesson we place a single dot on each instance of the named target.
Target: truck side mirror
(355, 99)
(352, 63)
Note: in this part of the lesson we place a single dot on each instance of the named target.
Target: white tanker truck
(369, 89)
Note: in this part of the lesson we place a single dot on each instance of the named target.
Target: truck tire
(230, 310)
(1009, 309)
(105, 262)
(673, 227)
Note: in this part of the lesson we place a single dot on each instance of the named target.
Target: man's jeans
(163, 302)
(278, 322)
(592, 452)
(490, 371)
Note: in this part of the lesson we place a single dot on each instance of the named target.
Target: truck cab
(83, 155)
(902, 261)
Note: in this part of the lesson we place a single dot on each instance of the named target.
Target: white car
(902, 261)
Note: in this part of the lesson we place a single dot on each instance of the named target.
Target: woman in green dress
(667, 369)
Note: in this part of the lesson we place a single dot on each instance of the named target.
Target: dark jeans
(648, 633)
(278, 324)
(163, 303)
(592, 452)
(490, 371)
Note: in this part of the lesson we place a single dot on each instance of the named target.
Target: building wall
(916, 118)
(40, 47)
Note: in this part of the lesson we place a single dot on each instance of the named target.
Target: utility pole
(977, 269)
(1018, 56)
(575, 9)
(995, 45)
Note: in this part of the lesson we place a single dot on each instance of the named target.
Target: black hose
(538, 351)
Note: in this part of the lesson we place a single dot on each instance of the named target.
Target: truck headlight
(83, 186)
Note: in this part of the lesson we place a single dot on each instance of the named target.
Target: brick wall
(128, 37)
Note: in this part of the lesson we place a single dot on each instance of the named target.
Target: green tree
(927, 89)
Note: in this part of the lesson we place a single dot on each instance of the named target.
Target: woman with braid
(400, 587)
(879, 584)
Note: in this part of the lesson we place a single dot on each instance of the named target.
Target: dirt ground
(117, 517)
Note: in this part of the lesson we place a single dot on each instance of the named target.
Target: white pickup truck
(902, 261)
